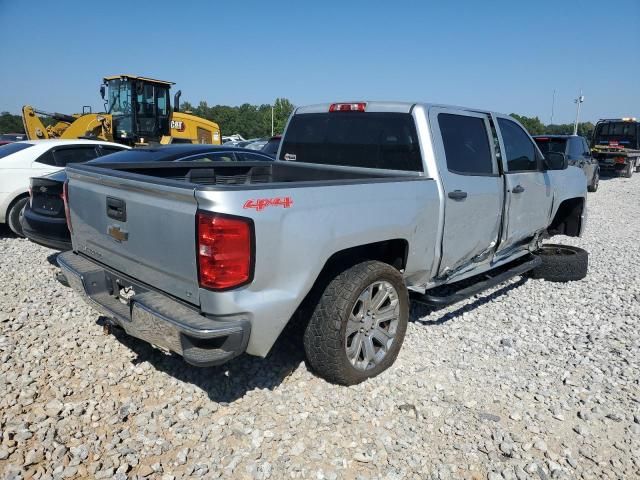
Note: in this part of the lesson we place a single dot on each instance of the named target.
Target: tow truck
(616, 145)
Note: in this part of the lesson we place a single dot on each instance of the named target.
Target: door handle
(457, 195)
(517, 189)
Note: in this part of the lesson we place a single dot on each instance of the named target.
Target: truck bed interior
(231, 174)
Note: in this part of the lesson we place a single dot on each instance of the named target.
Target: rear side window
(355, 139)
(520, 151)
(10, 148)
(466, 144)
(74, 155)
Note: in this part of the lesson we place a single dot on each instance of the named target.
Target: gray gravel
(534, 380)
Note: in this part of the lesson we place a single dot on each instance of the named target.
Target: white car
(20, 161)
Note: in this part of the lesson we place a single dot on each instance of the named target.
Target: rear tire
(595, 182)
(345, 342)
(638, 166)
(628, 172)
(15, 214)
(561, 263)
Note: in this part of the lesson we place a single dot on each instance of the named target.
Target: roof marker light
(348, 107)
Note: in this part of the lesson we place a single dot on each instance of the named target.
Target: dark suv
(578, 154)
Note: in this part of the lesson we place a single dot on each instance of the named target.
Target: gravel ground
(533, 380)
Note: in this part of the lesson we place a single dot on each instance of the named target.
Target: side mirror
(103, 91)
(555, 161)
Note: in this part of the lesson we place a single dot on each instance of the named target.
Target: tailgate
(144, 229)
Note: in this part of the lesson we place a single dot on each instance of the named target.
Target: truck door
(473, 187)
(529, 196)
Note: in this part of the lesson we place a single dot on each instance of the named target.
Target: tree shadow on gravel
(420, 310)
(228, 382)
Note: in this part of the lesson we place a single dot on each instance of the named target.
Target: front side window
(466, 144)
(119, 97)
(354, 139)
(520, 151)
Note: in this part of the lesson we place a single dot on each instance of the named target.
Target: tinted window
(271, 148)
(551, 144)
(575, 147)
(624, 133)
(74, 155)
(125, 156)
(357, 139)
(47, 158)
(13, 148)
(210, 157)
(252, 157)
(109, 150)
(466, 144)
(520, 151)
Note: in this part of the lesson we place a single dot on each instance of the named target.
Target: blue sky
(507, 56)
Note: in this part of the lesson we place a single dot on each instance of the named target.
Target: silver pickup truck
(366, 205)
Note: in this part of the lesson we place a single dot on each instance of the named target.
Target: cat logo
(177, 125)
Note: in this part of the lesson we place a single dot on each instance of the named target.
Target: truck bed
(245, 174)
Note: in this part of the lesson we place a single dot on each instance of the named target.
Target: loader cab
(139, 106)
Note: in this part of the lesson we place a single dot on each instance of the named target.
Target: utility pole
(272, 120)
(579, 102)
(553, 104)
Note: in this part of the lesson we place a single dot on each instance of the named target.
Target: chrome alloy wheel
(371, 328)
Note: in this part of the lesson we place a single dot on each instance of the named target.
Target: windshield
(612, 133)
(550, 144)
(356, 139)
(119, 97)
(6, 150)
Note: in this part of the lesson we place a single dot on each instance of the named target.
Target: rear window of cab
(356, 139)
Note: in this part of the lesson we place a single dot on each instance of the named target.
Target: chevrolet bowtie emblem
(117, 233)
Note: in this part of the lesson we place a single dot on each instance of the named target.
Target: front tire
(561, 263)
(358, 325)
(14, 215)
(628, 172)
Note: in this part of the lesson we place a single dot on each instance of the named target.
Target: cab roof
(136, 77)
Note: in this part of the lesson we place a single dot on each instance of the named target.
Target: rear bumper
(155, 317)
(49, 231)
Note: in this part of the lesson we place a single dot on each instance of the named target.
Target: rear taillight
(347, 107)
(225, 251)
(65, 199)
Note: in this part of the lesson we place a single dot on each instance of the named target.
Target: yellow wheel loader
(138, 112)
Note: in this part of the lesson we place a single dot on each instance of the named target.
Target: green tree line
(255, 120)
(248, 120)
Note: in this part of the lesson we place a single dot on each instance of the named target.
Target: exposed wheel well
(5, 214)
(393, 252)
(568, 218)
